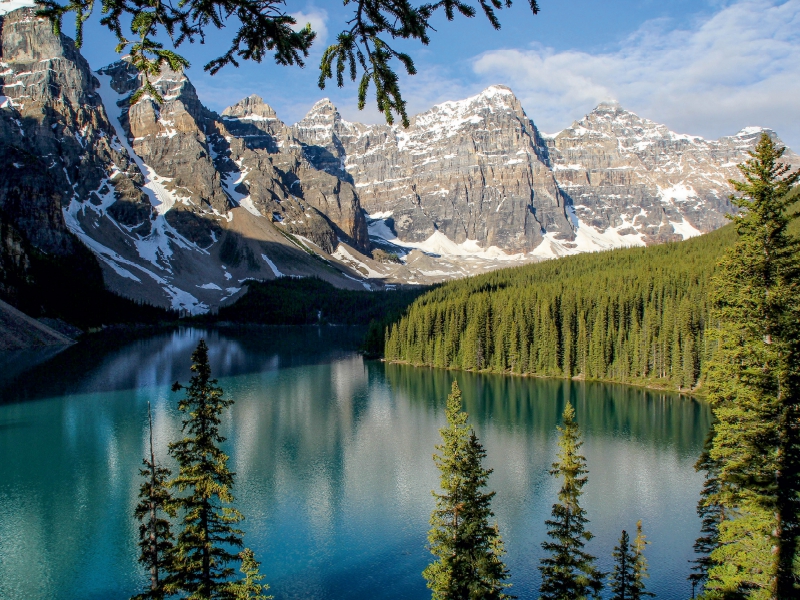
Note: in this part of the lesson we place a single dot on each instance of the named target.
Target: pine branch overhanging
(265, 27)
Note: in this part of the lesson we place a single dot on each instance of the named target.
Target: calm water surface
(333, 462)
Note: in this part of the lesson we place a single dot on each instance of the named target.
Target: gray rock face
(478, 170)
(631, 176)
(471, 170)
(54, 135)
(159, 192)
(278, 169)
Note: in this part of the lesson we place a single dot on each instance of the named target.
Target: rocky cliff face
(310, 196)
(54, 135)
(473, 170)
(478, 174)
(178, 210)
(631, 178)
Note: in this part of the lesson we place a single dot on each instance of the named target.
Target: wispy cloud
(738, 67)
(319, 23)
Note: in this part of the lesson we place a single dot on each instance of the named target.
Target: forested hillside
(309, 301)
(635, 315)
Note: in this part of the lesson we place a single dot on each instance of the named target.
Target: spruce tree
(467, 548)
(249, 587)
(638, 590)
(754, 388)
(710, 514)
(202, 553)
(155, 534)
(569, 571)
(621, 578)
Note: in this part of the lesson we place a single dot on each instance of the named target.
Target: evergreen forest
(312, 301)
(632, 315)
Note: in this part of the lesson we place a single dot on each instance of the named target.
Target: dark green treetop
(265, 27)
(568, 571)
(621, 577)
(204, 547)
(468, 549)
(155, 531)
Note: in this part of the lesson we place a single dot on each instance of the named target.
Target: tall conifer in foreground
(568, 571)
(155, 535)
(754, 388)
(203, 550)
(467, 548)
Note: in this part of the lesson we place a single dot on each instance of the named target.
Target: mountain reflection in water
(333, 462)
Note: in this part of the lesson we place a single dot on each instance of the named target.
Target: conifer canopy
(568, 571)
(754, 389)
(208, 534)
(467, 547)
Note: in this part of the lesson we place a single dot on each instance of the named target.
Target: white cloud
(319, 23)
(738, 67)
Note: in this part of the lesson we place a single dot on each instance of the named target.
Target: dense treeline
(308, 301)
(635, 315)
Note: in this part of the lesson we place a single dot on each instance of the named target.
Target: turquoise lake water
(333, 463)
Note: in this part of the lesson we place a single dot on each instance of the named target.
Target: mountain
(156, 192)
(480, 173)
(179, 205)
(630, 178)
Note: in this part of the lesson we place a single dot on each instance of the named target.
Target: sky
(701, 67)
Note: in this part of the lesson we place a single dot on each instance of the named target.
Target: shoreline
(696, 393)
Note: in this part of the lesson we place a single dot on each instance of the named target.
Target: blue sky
(704, 67)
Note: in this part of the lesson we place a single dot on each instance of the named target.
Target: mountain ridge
(181, 205)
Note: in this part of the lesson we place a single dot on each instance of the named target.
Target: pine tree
(710, 515)
(621, 578)
(638, 590)
(467, 548)
(754, 388)
(568, 571)
(202, 552)
(250, 587)
(155, 535)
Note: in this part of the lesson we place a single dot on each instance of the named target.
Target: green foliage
(639, 566)
(249, 587)
(621, 578)
(155, 532)
(467, 548)
(754, 388)
(307, 301)
(203, 549)
(710, 513)
(568, 571)
(265, 26)
(634, 315)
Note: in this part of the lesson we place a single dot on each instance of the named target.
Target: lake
(333, 462)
